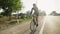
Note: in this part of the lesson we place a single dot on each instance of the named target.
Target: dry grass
(4, 23)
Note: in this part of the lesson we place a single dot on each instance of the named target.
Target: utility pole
(17, 17)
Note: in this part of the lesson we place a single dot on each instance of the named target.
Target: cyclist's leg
(36, 20)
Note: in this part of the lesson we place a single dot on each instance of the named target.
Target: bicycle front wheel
(32, 26)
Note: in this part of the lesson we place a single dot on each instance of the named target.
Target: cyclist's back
(35, 9)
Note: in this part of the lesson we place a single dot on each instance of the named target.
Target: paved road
(47, 25)
(51, 25)
(23, 28)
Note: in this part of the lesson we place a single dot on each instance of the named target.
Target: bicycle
(33, 25)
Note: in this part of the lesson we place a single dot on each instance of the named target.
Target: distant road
(51, 26)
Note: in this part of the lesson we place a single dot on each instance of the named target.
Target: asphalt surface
(23, 28)
(47, 25)
(52, 25)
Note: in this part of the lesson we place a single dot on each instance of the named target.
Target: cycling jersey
(35, 11)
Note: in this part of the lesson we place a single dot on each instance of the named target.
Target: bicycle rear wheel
(32, 26)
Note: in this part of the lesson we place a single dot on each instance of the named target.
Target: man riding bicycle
(35, 14)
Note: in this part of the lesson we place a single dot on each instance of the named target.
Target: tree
(53, 13)
(10, 6)
(28, 13)
(42, 13)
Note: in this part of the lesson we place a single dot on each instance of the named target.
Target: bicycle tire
(32, 26)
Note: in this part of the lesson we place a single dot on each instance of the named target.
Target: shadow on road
(32, 32)
(25, 31)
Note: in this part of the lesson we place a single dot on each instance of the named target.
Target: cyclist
(35, 14)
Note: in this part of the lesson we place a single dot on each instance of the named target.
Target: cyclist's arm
(31, 11)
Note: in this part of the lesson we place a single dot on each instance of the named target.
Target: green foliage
(10, 6)
(14, 4)
(1, 16)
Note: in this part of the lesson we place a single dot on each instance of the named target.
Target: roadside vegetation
(6, 23)
(8, 7)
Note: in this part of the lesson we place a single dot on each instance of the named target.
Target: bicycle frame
(33, 25)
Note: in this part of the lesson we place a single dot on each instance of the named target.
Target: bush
(1, 16)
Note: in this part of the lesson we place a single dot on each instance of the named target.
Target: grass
(4, 23)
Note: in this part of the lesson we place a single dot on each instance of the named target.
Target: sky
(45, 5)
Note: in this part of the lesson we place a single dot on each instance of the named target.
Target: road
(47, 25)
(23, 28)
(52, 25)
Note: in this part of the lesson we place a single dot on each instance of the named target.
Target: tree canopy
(10, 6)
